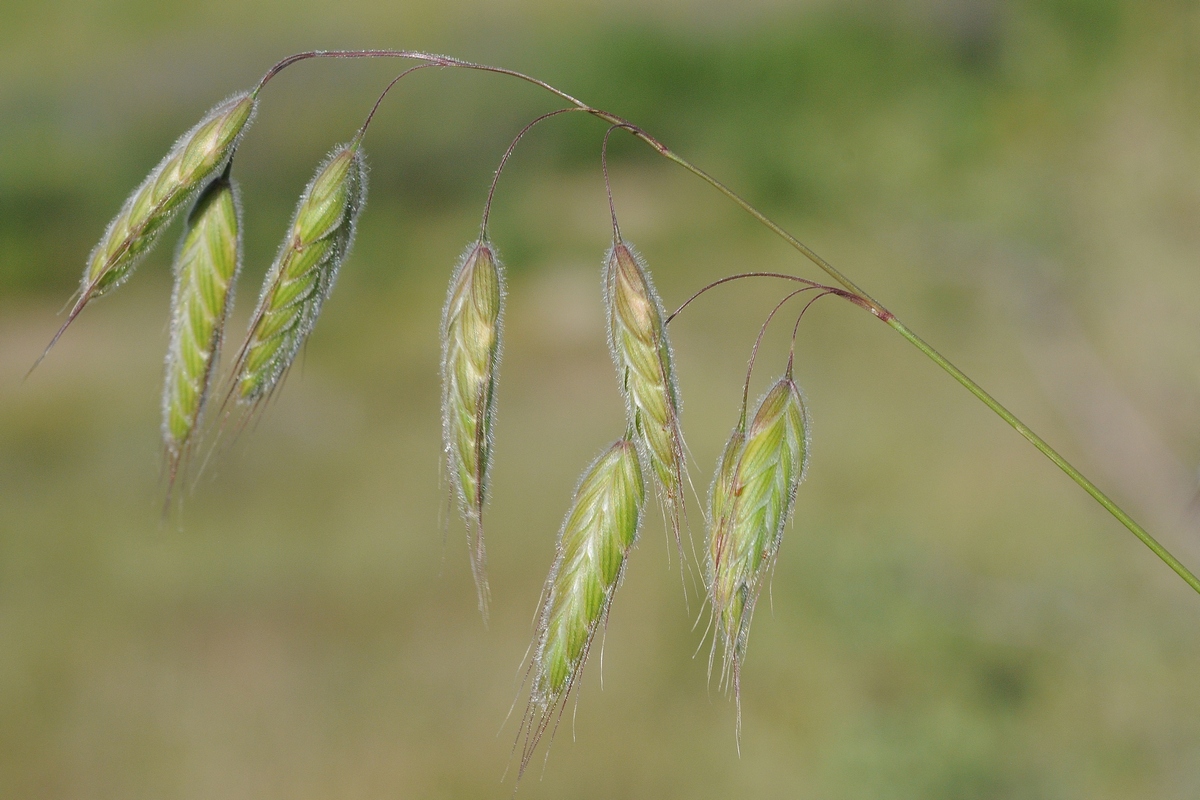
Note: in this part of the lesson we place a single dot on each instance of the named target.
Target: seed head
(750, 503)
(470, 354)
(191, 161)
(206, 268)
(304, 271)
(596, 536)
(638, 340)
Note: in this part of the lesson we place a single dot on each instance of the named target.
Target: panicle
(304, 271)
(206, 268)
(595, 539)
(637, 337)
(194, 158)
(471, 333)
(750, 502)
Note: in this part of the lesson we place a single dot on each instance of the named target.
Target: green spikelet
(470, 353)
(191, 161)
(206, 268)
(304, 272)
(638, 340)
(599, 530)
(750, 503)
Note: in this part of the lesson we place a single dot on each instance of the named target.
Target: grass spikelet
(191, 161)
(206, 268)
(638, 339)
(750, 503)
(304, 271)
(590, 559)
(471, 335)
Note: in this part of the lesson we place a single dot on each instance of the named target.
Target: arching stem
(796, 327)
(366, 123)
(743, 275)
(487, 206)
(758, 343)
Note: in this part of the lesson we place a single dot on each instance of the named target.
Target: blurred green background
(950, 617)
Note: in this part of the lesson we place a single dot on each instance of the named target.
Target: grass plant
(754, 488)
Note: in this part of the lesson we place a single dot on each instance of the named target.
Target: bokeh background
(950, 617)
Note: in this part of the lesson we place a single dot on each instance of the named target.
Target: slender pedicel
(487, 206)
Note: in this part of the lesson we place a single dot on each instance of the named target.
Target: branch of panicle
(487, 206)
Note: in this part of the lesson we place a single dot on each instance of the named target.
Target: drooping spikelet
(304, 271)
(470, 353)
(206, 268)
(191, 161)
(596, 536)
(750, 503)
(637, 335)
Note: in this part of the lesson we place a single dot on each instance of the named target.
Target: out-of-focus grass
(949, 617)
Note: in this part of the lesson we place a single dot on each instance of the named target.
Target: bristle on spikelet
(471, 333)
(750, 503)
(304, 272)
(206, 267)
(637, 336)
(191, 162)
(589, 562)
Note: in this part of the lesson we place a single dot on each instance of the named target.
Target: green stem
(1049, 452)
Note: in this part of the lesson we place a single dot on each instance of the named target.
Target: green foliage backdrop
(950, 616)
